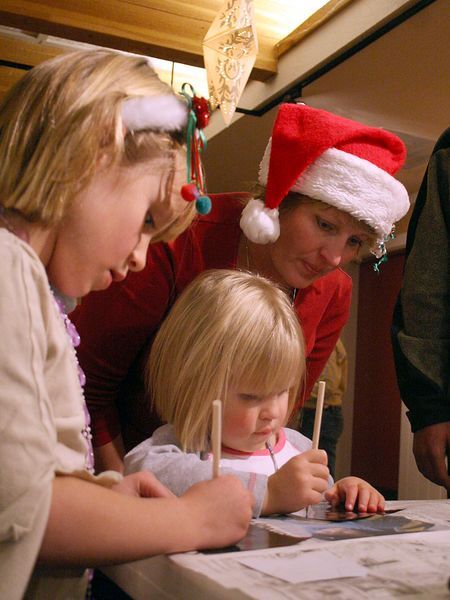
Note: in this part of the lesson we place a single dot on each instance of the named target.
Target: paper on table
(314, 565)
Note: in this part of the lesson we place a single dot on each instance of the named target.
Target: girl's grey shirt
(178, 470)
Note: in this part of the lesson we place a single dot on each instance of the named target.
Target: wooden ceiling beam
(170, 30)
(26, 53)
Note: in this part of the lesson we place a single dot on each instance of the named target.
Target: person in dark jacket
(421, 323)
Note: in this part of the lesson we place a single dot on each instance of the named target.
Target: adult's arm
(110, 455)
(421, 324)
(323, 315)
(114, 326)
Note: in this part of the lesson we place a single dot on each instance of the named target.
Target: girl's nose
(138, 257)
(270, 408)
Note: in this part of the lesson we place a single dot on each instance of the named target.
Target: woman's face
(314, 240)
(109, 225)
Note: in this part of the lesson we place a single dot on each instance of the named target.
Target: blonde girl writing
(233, 336)
(91, 164)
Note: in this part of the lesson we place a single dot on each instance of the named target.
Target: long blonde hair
(227, 328)
(62, 117)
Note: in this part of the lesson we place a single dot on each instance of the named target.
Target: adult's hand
(431, 446)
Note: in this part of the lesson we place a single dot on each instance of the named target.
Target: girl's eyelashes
(258, 397)
(148, 221)
(249, 396)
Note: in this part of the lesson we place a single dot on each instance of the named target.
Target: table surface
(404, 565)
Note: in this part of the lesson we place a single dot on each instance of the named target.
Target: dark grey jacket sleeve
(421, 324)
(178, 470)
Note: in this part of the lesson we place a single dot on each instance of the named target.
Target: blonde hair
(62, 117)
(227, 328)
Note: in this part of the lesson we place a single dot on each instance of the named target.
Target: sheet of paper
(415, 565)
(313, 565)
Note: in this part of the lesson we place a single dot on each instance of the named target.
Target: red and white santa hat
(341, 162)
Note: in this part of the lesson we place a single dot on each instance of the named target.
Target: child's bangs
(270, 362)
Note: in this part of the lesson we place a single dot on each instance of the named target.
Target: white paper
(313, 565)
(410, 566)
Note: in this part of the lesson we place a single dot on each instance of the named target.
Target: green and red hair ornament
(199, 113)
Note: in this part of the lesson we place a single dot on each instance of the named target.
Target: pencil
(318, 420)
(216, 436)
(318, 417)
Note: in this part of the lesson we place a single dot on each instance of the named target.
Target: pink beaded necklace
(74, 339)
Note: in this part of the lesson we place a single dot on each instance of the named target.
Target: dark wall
(377, 405)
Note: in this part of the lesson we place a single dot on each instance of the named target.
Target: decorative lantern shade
(229, 49)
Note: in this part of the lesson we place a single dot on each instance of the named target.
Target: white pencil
(318, 417)
(216, 436)
(317, 421)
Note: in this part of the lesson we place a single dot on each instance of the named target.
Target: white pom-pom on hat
(259, 223)
(338, 161)
(164, 112)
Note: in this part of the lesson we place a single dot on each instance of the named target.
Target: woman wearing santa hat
(327, 189)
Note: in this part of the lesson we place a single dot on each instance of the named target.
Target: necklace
(74, 339)
(292, 292)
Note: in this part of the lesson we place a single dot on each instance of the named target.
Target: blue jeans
(330, 431)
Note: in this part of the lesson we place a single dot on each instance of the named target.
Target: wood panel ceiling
(168, 29)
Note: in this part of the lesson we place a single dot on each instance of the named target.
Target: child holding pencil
(91, 164)
(233, 336)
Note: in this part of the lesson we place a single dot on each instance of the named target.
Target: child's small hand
(356, 494)
(143, 485)
(299, 483)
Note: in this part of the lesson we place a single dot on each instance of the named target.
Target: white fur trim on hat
(164, 113)
(357, 187)
(263, 173)
(260, 224)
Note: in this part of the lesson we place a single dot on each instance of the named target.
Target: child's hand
(356, 494)
(142, 484)
(220, 511)
(299, 483)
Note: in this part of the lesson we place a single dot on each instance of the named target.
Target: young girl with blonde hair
(233, 336)
(91, 165)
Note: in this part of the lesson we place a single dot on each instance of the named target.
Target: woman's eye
(324, 225)
(355, 242)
